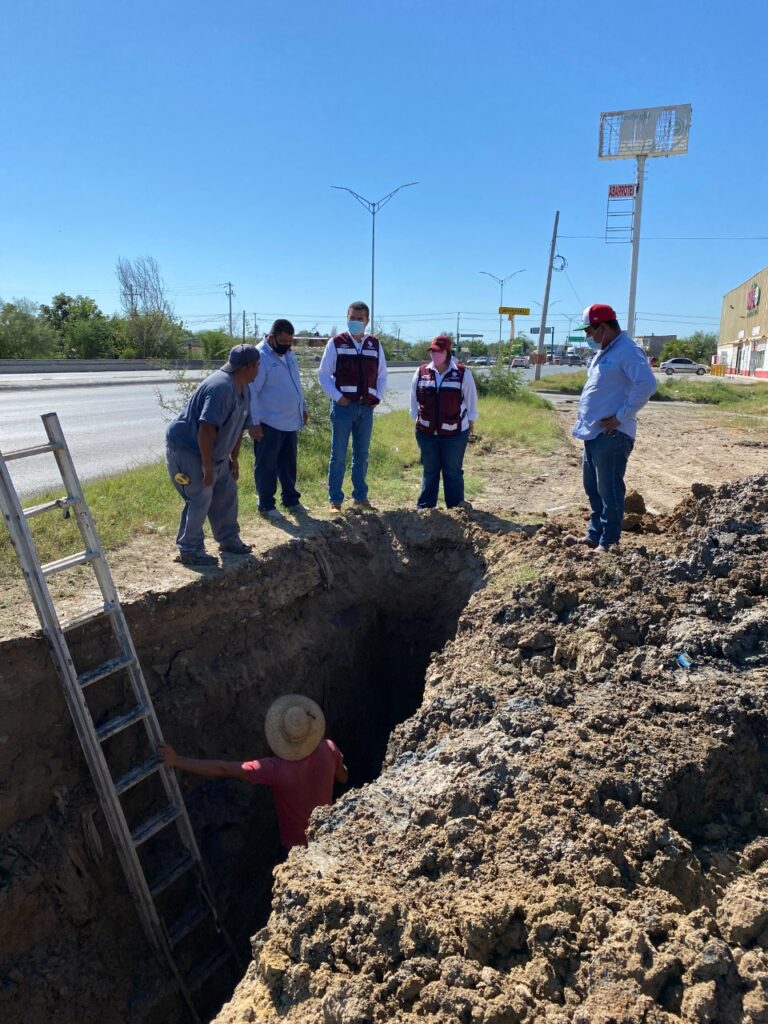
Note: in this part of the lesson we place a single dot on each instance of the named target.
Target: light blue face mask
(355, 326)
(595, 346)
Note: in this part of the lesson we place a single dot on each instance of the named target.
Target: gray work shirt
(216, 401)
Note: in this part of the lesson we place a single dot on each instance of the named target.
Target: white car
(681, 365)
(520, 363)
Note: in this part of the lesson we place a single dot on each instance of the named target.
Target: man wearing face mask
(619, 383)
(278, 412)
(444, 405)
(353, 373)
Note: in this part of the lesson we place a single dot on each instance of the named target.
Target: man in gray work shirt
(619, 383)
(202, 448)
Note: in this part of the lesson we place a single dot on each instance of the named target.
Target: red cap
(442, 343)
(596, 315)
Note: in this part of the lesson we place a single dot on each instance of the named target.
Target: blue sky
(208, 136)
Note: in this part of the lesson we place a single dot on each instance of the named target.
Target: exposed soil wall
(572, 827)
(350, 618)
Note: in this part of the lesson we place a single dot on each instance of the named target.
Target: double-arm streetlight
(373, 207)
(501, 281)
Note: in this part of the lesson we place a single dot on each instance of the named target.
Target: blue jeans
(442, 455)
(357, 420)
(604, 465)
(217, 503)
(275, 458)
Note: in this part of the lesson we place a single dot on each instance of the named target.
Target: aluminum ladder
(146, 891)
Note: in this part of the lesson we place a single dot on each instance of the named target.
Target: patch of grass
(749, 398)
(560, 383)
(141, 501)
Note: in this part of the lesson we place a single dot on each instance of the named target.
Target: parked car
(479, 361)
(554, 359)
(682, 365)
(520, 363)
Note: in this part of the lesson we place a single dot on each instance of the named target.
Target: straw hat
(294, 726)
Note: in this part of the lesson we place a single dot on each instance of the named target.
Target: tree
(154, 331)
(83, 330)
(215, 344)
(700, 347)
(23, 335)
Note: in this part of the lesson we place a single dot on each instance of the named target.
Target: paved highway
(111, 422)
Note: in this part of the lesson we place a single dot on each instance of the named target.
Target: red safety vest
(356, 375)
(441, 409)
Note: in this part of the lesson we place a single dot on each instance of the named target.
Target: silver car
(682, 365)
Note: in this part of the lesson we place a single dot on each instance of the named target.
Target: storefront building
(741, 347)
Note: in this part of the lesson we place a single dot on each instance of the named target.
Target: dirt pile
(572, 827)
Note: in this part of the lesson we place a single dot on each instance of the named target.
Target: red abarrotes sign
(621, 191)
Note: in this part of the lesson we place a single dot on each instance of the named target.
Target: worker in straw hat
(301, 774)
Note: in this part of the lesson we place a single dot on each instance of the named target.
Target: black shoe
(236, 547)
(196, 558)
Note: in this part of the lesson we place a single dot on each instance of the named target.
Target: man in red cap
(619, 383)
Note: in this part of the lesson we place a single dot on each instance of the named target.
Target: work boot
(272, 514)
(196, 558)
(236, 547)
(363, 503)
(334, 506)
(570, 539)
(296, 510)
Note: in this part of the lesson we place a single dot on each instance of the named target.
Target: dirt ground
(677, 445)
(569, 827)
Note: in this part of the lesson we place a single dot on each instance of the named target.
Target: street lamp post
(501, 281)
(373, 207)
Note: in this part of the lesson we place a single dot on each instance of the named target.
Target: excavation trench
(350, 618)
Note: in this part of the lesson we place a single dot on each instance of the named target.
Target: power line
(685, 238)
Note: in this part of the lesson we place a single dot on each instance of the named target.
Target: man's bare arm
(211, 769)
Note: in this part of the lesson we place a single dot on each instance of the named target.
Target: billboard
(650, 131)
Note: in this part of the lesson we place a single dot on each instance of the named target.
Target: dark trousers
(604, 466)
(276, 460)
(442, 455)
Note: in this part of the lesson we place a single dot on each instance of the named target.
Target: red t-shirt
(298, 787)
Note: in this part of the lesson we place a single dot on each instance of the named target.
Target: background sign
(621, 191)
(514, 310)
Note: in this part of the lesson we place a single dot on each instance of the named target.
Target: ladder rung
(121, 722)
(69, 562)
(136, 775)
(154, 824)
(38, 449)
(187, 923)
(49, 506)
(86, 617)
(178, 869)
(107, 668)
(203, 971)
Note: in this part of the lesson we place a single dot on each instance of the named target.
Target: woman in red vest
(444, 406)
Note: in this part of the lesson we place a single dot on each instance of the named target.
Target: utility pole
(229, 293)
(373, 207)
(243, 326)
(458, 336)
(635, 246)
(545, 303)
(255, 325)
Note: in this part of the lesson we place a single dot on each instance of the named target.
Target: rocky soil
(573, 826)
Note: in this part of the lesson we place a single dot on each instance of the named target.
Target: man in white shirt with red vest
(444, 405)
(353, 373)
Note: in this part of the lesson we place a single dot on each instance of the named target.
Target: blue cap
(240, 356)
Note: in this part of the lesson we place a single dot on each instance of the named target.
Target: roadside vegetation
(747, 398)
(141, 501)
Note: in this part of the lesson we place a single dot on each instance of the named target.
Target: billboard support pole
(635, 245)
(545, 304)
